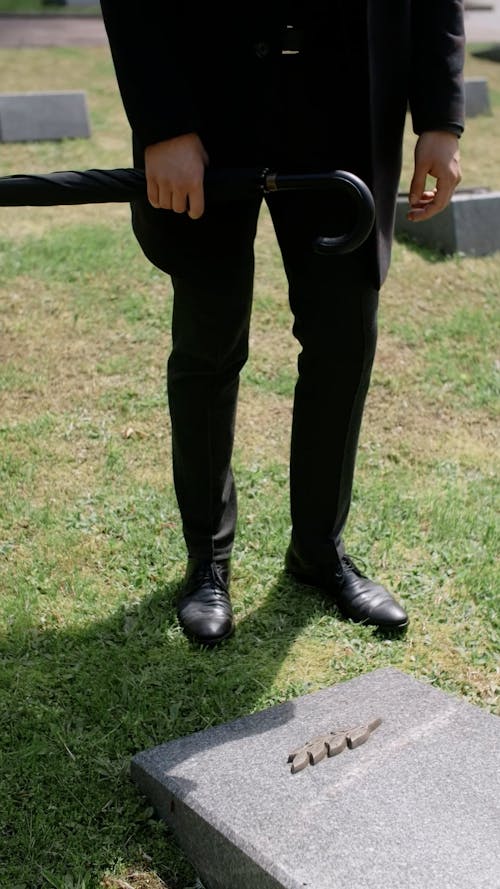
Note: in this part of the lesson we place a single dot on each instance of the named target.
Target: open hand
(436, 155)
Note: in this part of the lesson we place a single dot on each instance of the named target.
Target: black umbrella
(104, 186)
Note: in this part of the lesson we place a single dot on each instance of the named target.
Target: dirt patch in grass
(423, 430)
(19, 223)
(263, 426)
(135, 880)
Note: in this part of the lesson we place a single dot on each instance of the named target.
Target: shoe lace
(351, 566)
(210, 572)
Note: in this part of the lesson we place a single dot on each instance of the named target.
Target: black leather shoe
(204, 609)
(355, 595)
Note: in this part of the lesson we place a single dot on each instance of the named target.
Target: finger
(417, 186)
(423, 202)
(421, 212)
(153, 193)
(444, 192)
(165, 197)
(179, 200)
(196, 202)
(426, 210)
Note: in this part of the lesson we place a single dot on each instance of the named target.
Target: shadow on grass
(82, 702)
(428, 253)
(490, 53)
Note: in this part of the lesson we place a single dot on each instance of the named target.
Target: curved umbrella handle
(360, 194)
(103, 186)
(356, 191)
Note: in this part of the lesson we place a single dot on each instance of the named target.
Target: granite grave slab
(35, 117)
(417, 805)
(470, 224)
(477, 96)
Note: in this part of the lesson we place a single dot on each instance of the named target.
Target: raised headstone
(416, 805)
(34, 117)
(470, 224)
(477, 97)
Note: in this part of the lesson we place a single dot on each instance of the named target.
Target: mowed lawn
(37, 7)
(93, 664)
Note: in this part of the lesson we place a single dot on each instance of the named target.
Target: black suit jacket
(184, 69)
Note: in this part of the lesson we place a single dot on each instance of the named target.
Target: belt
(292, 41)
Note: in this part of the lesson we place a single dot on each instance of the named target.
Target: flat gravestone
(477, 96)
(416, 806)
(470, 224)
(34, 117)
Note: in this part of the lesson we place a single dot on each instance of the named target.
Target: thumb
(417, 185)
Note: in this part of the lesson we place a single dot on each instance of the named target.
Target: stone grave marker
(470, 224)
(477, 96)
(416, 805)
(34, 117)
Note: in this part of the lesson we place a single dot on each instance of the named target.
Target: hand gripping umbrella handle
(124, 185)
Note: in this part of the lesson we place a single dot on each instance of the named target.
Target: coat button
(262, 49)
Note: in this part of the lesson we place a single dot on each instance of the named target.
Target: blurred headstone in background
(35, 117)
(469, 225)
(477, 97)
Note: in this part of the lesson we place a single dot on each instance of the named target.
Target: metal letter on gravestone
(330, 744)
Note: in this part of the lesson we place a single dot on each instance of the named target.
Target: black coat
(181, 69)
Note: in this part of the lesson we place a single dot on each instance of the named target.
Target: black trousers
(334, 307)
(333, 302)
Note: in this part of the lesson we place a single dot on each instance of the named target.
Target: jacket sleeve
(150, 52)
(436, 89)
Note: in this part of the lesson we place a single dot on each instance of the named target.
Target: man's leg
(338, 339)
(334, 303)
(211, 316)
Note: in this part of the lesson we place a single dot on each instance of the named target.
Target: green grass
(93, 666)
(36, 7)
